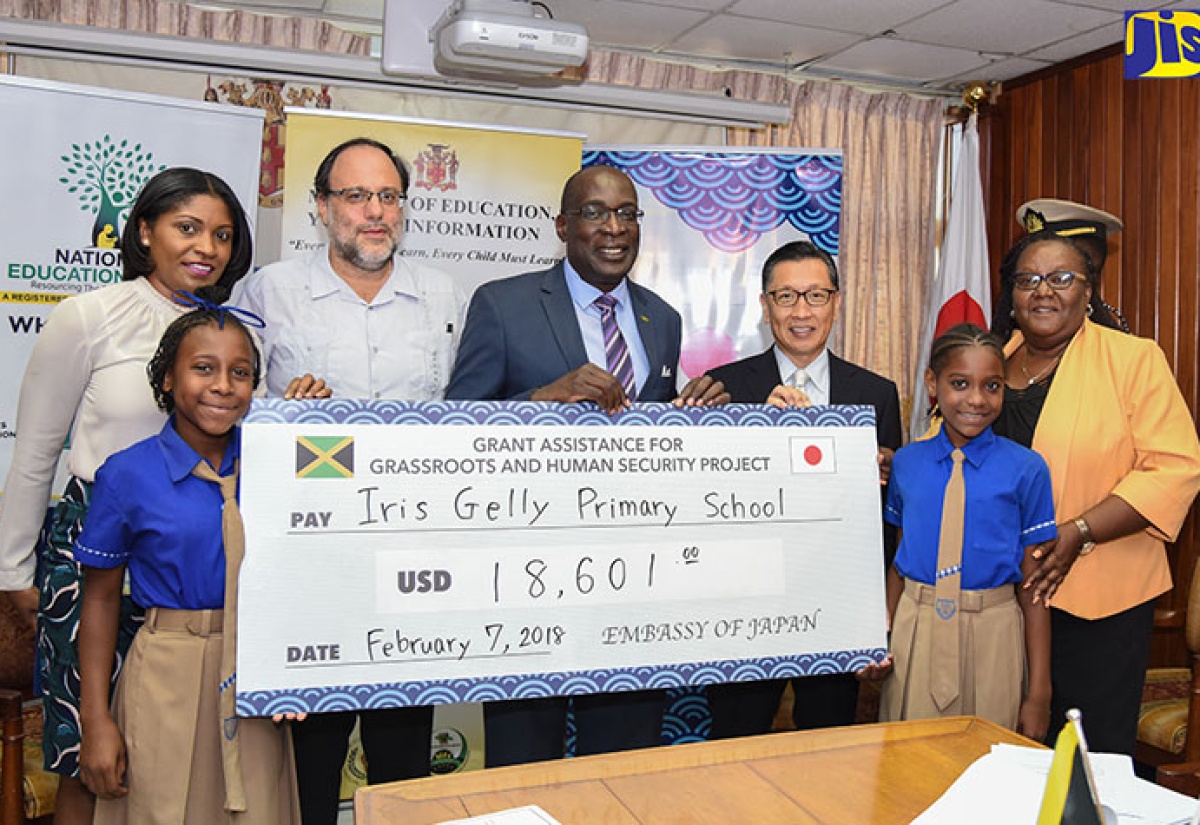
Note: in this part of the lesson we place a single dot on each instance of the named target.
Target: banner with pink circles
(712, 218)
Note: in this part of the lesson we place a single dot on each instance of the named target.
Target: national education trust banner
(423, 553)
(481, 203)
(71, 164)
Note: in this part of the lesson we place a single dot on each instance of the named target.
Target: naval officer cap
(1068, 219)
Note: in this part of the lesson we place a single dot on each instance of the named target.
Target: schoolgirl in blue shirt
(158, 755)
(1003, 669)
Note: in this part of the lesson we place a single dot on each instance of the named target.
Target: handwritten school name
(520, 506)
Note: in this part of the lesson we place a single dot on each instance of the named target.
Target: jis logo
(1162, 44)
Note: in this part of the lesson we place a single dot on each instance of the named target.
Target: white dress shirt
(400, 345)
(817, 385)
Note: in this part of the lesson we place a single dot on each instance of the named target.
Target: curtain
(180, 20)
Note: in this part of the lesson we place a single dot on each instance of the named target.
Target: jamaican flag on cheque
(1070, 797)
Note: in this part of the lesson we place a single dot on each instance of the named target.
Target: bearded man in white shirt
(369, 324)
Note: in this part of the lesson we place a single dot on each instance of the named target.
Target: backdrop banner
(481, 203)
(712, 218)
(71, 164)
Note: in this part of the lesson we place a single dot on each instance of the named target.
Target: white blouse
(86, 378)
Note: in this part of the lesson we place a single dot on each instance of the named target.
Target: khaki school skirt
(167, 707)
(992, 657)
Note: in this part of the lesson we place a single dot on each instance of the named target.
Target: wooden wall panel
(1132, 147)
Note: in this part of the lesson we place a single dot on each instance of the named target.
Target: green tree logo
(107, 177)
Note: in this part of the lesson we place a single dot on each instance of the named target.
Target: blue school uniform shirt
(148, 511)
(1009, 506)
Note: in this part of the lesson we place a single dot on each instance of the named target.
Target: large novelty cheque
(420, 553)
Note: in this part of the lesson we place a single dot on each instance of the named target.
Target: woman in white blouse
(86, 379)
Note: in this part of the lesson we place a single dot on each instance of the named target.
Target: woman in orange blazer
(1102, 407)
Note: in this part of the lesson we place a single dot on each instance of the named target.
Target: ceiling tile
(859, 16)
(887, 57)
(702, 5)
(728, 36)
(1084, 43)
(1000, 70)
(789, 32)
(608, 22)
(1122, 5)
(1010, 27)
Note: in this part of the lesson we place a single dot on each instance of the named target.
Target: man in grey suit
(579, 331)
(800, 302)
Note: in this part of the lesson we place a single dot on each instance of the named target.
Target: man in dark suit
(579, 331)
(800, 302)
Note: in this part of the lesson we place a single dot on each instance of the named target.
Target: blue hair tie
(193, 301)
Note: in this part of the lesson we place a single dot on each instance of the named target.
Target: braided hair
(1098, 310)
(164, 357)
(961, 336)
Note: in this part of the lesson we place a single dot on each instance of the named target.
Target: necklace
(1030, 380)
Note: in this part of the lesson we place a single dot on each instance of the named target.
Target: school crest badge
(946, 608)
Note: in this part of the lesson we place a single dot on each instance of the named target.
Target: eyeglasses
(818, 297)
(357, 196)
(594, 213)
(1061, 279)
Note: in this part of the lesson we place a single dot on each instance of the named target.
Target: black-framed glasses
(1059, 279)
(816, 297)
(357, 196)
(595, 213)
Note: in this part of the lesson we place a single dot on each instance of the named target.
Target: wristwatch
(1085, 532)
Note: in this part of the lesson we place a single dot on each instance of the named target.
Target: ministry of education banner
(72, 161)
(482, 199)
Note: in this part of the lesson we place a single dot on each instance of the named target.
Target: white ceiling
(920, 44)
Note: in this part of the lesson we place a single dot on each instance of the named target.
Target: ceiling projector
(504, 36)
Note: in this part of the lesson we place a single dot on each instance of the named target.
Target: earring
(1012, 313)
(1090, 310)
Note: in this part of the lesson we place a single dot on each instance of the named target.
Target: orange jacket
(1115, 423)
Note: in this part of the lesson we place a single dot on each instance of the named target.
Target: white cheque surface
(404, 561)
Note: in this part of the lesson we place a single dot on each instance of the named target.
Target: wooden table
(869, 773)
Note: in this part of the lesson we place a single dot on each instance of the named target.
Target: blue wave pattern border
(734, 198)
(523, 413)
(437, 692)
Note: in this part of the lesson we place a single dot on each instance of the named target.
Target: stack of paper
(528, 815)
(1006, 786)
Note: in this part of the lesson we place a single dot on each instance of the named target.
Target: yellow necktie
(945, 667)
(234, 537)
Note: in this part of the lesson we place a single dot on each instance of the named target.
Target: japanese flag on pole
(960, 293)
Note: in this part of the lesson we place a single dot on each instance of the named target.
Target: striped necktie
(616, 353)
(945, 665)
